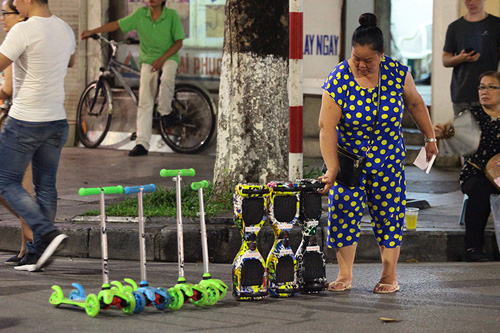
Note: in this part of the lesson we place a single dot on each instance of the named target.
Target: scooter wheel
(176, 297)
(222, 289)
(130, 299)
(140, 301)
(166, 299)
(92, 305)
(212, 292)
(201, 295)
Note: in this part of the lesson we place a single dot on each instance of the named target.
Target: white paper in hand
(421, 161)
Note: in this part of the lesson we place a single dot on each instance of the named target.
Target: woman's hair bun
(367, 20)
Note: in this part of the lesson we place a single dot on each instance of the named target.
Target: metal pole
(104, 241)
(204, 243)
(180, 241)
(295, 90)
(142, 237)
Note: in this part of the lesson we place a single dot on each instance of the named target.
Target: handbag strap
(370, 143)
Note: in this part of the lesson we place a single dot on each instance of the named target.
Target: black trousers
(478, 188)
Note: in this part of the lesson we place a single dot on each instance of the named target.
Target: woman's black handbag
(351, 165)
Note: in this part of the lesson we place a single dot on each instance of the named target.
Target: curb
(224, 241)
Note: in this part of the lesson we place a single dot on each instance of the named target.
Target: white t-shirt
(41, 49)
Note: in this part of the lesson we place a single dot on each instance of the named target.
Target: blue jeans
(41, 143)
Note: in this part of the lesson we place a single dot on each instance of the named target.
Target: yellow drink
(411, 221)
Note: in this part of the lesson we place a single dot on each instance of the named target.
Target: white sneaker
(56, 244)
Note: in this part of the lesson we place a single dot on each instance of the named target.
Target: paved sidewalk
(438, 237)
(434, 297)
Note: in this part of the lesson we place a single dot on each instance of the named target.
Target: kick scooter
(108, 295)
(111, 293)
(216, 288)
(249, 269)
(284, 211)
(158, 297)
(183, 291)
(90, 302)
(311, 262)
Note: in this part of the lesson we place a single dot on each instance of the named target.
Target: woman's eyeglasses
(489, 88)
(8, 13)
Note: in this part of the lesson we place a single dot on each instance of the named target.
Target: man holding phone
(472, 47)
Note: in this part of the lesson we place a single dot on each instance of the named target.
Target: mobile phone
(469, 49)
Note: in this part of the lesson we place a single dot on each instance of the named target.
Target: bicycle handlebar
(197, 185)
(136, 189)
(98, 190)
(182, 172)
(129, 40)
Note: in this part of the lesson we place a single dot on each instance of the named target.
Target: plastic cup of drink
(411, 218)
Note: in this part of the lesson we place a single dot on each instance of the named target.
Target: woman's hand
(444, 131)
(328, 179)
(431, 149)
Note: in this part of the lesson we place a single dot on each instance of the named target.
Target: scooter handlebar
(173, 173)
(197, 185)
(97, 190)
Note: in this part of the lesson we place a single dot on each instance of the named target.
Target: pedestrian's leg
(386, 196)
(147, 94)
(346, 207)
(345, 259)
(26, 237)
(167, 87)
(18, 142)
(389, 278)
(26, 233)
(45, 165)
(477, 211)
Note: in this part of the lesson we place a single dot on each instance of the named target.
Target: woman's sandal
(331, 286)
(395, 288)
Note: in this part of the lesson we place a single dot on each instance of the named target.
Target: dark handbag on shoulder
(351, 165)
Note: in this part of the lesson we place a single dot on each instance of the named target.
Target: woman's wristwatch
(430, 140)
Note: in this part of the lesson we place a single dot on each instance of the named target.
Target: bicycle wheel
(194, 124)
(94, 114)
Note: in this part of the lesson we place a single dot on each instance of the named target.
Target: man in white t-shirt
(42, 48)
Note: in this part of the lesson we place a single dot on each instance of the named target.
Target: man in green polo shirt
(161, 33)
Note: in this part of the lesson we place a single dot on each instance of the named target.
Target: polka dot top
(489, 145)
(359, 107)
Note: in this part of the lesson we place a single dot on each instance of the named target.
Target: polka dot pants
(385, 194)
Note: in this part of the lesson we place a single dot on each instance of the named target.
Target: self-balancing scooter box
(283, 213)
(311, 260)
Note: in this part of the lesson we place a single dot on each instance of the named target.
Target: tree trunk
(252, 132)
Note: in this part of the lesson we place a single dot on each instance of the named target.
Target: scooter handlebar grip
(136, 189)
(197, 185)
(89, 191)
(113, 189)
(173, 173)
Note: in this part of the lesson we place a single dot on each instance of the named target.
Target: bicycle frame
(115, 66)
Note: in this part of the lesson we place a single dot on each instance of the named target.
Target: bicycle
(192, 124)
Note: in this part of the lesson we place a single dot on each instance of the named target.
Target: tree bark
(252, 129)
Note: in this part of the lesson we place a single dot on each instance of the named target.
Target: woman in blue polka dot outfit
(348, 112)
